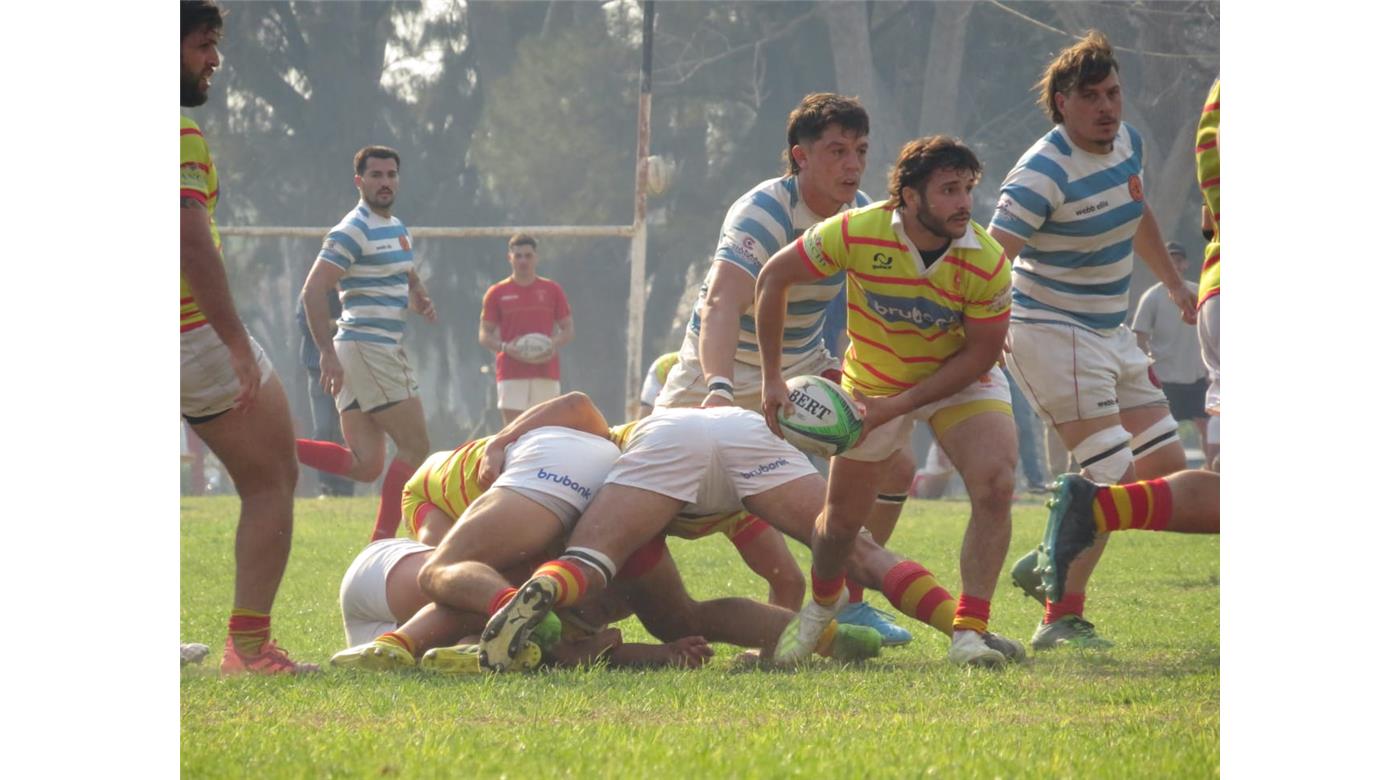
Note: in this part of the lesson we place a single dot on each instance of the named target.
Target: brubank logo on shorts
(765, 468)
(564, 480)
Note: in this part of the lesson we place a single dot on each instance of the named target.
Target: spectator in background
(325, 420)
(1175, 350)
(524, 303)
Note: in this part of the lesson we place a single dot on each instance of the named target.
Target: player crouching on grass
(681, 464)
(929, 299)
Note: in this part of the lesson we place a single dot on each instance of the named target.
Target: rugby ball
(533, 347)
(824, 419)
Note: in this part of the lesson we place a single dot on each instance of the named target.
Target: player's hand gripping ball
(533, 347)
(824, 420)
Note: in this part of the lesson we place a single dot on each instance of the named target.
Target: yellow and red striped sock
(1071, 604)
(826, 592)
(249, 629)
(570, 578)
(914, 591)
(499, 600)
(973, 614)
(402, 640)
(1143, 505)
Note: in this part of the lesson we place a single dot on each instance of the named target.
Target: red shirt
(519, 309)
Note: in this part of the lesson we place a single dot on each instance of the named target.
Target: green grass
(1148, 708)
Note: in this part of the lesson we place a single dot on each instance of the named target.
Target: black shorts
(1187, 402)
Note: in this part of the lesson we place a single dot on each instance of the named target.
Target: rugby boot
(799, 639)
(1069, 531)
(970, 648)
(270, 659)
(377, 656)
(862, 614)
(466, 659)
(507, 630)
(1070, 630)
(1013, 651)
(1026, 575)
(193, 653)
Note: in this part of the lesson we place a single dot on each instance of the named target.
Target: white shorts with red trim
(208, 385)
(1071, 373)
(364, 599)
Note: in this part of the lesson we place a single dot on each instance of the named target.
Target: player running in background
(656, 487)
(1072, 213)
(229, 392)
(929, 297)
(1208, 302)
(369, 257)
(521, 304)
(827, 140)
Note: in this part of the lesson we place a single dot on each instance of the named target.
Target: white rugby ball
(824, 420)
(533, 347)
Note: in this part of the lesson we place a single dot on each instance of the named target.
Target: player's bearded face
(380, 182)
(199, 56)
(1093, 112)
(945, 208)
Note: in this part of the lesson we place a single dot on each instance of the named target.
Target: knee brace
(1155, 436)
(1105, 456)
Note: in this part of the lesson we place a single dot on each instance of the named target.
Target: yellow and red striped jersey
(1208, 176)
(447, 479)
(905, 321)
(198, 180)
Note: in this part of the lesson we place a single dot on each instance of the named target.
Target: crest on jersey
(1135, 187)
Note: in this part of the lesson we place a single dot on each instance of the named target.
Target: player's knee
(1161, 440)
(1106, 455)
(993, 485)
(429, 576)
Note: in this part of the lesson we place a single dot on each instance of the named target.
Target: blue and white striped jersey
(376, 255)
(1078, 213)
(762, 221)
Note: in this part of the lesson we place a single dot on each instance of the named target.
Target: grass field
(1150, 707)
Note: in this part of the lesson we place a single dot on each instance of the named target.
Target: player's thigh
(763, 549)
(256, 444)
(622, 518)
(403, 422)
(363, 435)
(401, 589)
(500, 529)
(982, 448)
(792, 507)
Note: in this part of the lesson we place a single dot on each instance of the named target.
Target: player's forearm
(769, 315)
(203, 271)
(719, 337)
(571, 410)
(564, 334)
(490, 339)
(957, 372)
(318, 316)
(1147, 243)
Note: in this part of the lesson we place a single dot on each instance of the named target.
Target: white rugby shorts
(521, 394)
(1071, 373)
(208, 385)
(562, 463)
(987, 393)
(364, 601)
(1208, 328)
(712, 459)
(376, 375)
(686, 386)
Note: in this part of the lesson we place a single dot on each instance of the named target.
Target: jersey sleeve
(1208, 151)
(194, 166)
(748, 239)
(824, 246)
(339, 249)
(989, 294)
(491, 307)
(1028, 198)
(561, 304)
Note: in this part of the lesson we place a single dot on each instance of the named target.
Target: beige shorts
(712, 459)
(376, 375)
(1070, 373)
(989, 393)
(521, 394)
(208, 385)
(686, 386)
(364, 599)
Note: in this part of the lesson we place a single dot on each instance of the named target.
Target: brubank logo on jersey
(918, 311)
(765, 468)
(564, 480)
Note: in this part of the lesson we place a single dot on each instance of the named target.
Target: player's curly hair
(922, 156)
(1088, 61)
(199, 15)
(815, 113)
(378, 153)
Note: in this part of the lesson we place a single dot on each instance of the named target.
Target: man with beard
(369, 257)
(1072, 214)
(929, 297)
(228, 390)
